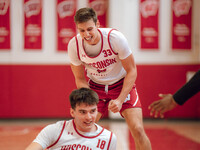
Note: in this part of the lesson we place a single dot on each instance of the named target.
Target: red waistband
(96, 85)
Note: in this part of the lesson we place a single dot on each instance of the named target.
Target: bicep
(72, 53)
(129, 63)
(34, 146)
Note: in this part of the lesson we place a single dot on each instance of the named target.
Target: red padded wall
(42, 91)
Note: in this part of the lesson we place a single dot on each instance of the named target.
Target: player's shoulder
(108, 131)
(105, 131)
(73, 40)
(110, 135)
(112, 32)
(106, 30)
(58, 125)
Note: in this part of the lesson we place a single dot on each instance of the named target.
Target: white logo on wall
(32, 7)
(181, 30)
(4, 6)
(182, 7)
(99, 7)
(66, 34)
(149, 8)
(66, 8)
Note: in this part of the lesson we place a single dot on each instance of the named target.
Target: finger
(162, 95)
(155, 107)
(152, 105)
(110, 104)
(157, 110)
(162, 111)
(152, 112)
(161, 115)
(115, 110)
(156, 114)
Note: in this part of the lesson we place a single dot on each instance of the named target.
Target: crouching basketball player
(80, 133)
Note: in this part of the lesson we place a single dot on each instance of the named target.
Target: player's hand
(166, 103)
(114, 106)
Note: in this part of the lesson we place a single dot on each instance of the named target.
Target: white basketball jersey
(106, 67)
(63, 135)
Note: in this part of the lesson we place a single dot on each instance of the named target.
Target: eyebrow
(86, 110)
(86, 29)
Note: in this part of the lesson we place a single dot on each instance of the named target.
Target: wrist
(173, 101)
(120, 100)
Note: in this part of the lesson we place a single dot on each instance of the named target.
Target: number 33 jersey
(63, 135)
(106, 67)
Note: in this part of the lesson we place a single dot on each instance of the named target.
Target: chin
(89, 42)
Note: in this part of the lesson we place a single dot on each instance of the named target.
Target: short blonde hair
(85, 14)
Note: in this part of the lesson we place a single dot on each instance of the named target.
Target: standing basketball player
(79, 133)
(110, 66)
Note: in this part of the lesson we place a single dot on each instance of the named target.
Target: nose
(88, 116)
(86, 33)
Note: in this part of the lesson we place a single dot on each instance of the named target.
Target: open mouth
(88, 38)
(88, 123)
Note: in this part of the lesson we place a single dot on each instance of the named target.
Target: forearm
(81, 83)
(79, 75)
(188, 90)
(129, 82)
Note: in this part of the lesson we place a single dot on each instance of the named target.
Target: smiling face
(84, 117)
(89, 32)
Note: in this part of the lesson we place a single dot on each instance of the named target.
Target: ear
(98, 24)
(72, 112)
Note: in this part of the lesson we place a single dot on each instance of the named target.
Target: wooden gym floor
(165, 134)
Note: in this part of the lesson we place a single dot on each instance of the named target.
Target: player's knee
(138, 131)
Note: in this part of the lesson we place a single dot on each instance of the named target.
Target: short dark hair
(85, 14)
(83, 95)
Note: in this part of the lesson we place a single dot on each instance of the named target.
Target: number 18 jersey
(63, 135)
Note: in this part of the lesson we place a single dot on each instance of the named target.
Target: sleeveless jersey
(105, 68)
(63, 135)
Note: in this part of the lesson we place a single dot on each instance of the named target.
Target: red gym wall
(35, 76)
(42, 91)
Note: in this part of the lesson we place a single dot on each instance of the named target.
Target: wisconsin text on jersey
(100, 65)
(100, 145)
(75, 147)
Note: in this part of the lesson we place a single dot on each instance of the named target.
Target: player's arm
(129, 80)
(34, 146)
(76, 65)
(127, 60)
(79, 75)
(166, 103)
(169, 101)
(188, 90)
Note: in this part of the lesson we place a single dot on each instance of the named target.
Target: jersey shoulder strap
(59, 136)
(111, 134)
(77, 47)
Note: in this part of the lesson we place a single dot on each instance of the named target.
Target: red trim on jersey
(101, 45)
(109, 41)
(77, 48)
(58, 137)
(90, 137)
(110, 140)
